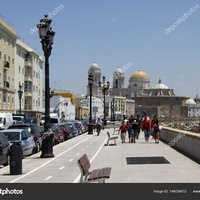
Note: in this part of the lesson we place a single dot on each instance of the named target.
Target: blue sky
(113, 34)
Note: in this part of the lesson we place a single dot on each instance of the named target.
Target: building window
(4, 97)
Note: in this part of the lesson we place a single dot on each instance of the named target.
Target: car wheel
(37, 148)
(7, 162)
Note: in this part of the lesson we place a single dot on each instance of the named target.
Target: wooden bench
(96, 175)
(112, 137)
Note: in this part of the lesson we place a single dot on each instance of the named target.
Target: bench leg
(107, 142)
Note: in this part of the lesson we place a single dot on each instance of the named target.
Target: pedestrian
(134, 126)
(146, 127)
(155, 127)
(122, 130)
(129, 127)
(139, 126)
(98, 125)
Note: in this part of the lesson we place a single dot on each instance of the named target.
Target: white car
(23, 137)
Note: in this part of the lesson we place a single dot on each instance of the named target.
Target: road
(62, 168)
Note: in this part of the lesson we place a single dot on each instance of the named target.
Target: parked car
(73, 127)
(78, 125)
(58, 135)
(23, 137)
(68, 130)
(4, 149)
(34, 130)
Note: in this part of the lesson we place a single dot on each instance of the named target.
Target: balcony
(28, 107)
(6, 84)
(28, 62)
(27, 92)
(6, 65)
(28, 77)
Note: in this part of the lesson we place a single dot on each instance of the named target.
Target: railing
(28, 106)
(184, 141)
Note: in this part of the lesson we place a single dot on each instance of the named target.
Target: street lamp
(104, 86)
(113, 110)
(46, 35)
(20, 92)
(90, 84)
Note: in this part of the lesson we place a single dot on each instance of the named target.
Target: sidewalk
(138, 162)
(161, 164)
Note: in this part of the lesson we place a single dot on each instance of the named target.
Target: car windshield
(22, 127)
(53, 121)
(12, 136)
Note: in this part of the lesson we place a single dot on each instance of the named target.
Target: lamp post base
(90, 128)
(47, 146)
(104, 122)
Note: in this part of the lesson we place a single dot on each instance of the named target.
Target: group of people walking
(135, 124)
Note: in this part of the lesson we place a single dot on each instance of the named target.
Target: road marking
(70, 160)
(37, 168)
(62, 167)
(78, 177)
(77, 154)
(48, 178)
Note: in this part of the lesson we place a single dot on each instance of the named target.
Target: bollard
(16, 155)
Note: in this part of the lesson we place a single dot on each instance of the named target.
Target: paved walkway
(178, 169)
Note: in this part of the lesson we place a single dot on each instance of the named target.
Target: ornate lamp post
(90, 84)
(46, 35)
(104, 86)
(20, 92)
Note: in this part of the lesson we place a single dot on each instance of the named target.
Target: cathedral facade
(157, 100)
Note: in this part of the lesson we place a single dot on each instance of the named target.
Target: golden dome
(139, 74)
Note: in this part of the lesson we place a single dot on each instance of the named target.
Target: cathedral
(157, 100)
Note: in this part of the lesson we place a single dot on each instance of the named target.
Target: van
(6, 120)
(19, 119)
(55, 120)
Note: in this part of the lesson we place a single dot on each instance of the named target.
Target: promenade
(138, 162)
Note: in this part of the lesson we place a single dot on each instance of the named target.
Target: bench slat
(84, 163)
(100, 173)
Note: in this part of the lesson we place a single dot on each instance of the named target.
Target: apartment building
(28, 74)
(8, 39)
(20, 65)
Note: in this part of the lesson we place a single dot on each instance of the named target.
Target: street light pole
(20, 92)
(90, 84)
(46, 35)
(104, 87)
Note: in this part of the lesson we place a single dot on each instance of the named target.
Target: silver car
(23, 137)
